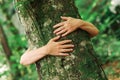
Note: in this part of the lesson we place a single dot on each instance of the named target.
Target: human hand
(61, 48)
(67, 26)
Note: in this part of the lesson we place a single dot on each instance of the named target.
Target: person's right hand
(61, 48)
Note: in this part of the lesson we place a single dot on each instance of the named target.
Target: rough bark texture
(38, 17)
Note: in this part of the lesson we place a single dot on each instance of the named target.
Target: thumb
(56, 38)
(64, 18)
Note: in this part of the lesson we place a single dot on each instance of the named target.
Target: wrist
(46, 49)
(82, 23)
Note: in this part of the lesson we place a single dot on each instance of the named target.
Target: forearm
(90, 28)
(60, 48)
(32, 56)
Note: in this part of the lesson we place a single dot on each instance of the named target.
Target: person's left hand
(67, 26)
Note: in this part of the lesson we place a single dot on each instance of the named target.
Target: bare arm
(31, 56)
(71, 24)
(90, 28)
(61, 48)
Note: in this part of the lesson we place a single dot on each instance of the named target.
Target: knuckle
(68, 23)
(59, 54)
(70, 30)
(69, 17)
(58, 47)
(57, 51)
(65, 28)
(65, 41)
(68, 50)
(65, 50)
(51, 40)
(59, 43)
(68, 40)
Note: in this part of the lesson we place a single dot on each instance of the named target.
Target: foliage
(106, 43)
(103, 21)
(17, 43)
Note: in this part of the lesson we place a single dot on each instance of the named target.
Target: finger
(55, 38)
(66, 33)
(58, 25)
(63, 54)
(61, 32)
(66, 50)
(64, 18)
(59, 29)
(65, 41)
(67, 46)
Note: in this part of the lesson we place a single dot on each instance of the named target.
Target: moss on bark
(38, 17)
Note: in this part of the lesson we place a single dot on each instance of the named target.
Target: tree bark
(4, 42)
(6, 48)
(38, 17)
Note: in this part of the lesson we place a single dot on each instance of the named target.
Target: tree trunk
(8, 12)
(4, 42)
(6, 48)
(38, 17)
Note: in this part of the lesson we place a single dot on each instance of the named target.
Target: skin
(55, 47)
(70, 24)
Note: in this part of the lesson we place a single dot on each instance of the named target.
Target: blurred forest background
(105, 14)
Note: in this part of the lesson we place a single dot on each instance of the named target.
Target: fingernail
(71, 49)
(67, 54)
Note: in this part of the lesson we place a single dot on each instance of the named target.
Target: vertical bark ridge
(38, 16)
